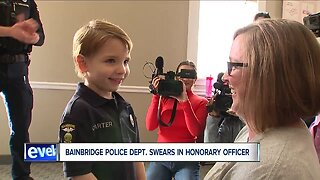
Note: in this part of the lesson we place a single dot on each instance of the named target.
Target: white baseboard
(126, 89)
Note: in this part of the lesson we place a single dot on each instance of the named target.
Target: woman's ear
(81, 63)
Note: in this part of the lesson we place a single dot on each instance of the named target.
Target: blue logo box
(40, 152)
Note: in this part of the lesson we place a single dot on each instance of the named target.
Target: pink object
(209, 86)
(315, 132)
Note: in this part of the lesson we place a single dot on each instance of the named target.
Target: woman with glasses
(274, 77)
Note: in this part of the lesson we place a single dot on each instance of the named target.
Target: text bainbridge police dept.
(151, 152)
(244, 152)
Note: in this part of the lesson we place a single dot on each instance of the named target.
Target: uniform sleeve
(71, 131)
(195, 118)
(34, 13)
(151, 117)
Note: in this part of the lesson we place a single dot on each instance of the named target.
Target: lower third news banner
(159, 152)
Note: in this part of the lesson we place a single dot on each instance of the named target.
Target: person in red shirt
(187, 126)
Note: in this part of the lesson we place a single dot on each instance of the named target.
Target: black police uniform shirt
(11, 12)
(88, 118)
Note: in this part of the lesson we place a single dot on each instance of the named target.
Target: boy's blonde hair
(89, 38)
(282, 79)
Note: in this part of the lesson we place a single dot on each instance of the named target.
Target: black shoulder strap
(173, 114)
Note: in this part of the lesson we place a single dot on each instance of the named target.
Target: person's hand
(231, 112)
(211, 103)
(214, 113)
(25, 31)
(155, 82)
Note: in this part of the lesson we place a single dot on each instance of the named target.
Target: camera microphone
(159, 65)
(221, 85)
(219, 78)
(158, 71)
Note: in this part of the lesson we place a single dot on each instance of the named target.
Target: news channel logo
(40, 152)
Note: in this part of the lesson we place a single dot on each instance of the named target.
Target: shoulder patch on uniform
(66, 132)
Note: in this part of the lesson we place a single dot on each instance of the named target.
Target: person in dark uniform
(20, 29)
(97, 113)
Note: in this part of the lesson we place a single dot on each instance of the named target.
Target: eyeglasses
(234, 65)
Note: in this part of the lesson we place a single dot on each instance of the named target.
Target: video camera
(169, 86)
(223, 100)
(312, 22)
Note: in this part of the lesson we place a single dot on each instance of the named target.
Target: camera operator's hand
(213, 112)
(155, 82)
(231, 112)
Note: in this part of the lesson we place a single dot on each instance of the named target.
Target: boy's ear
(80, 60)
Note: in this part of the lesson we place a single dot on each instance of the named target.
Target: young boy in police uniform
(96, 113)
